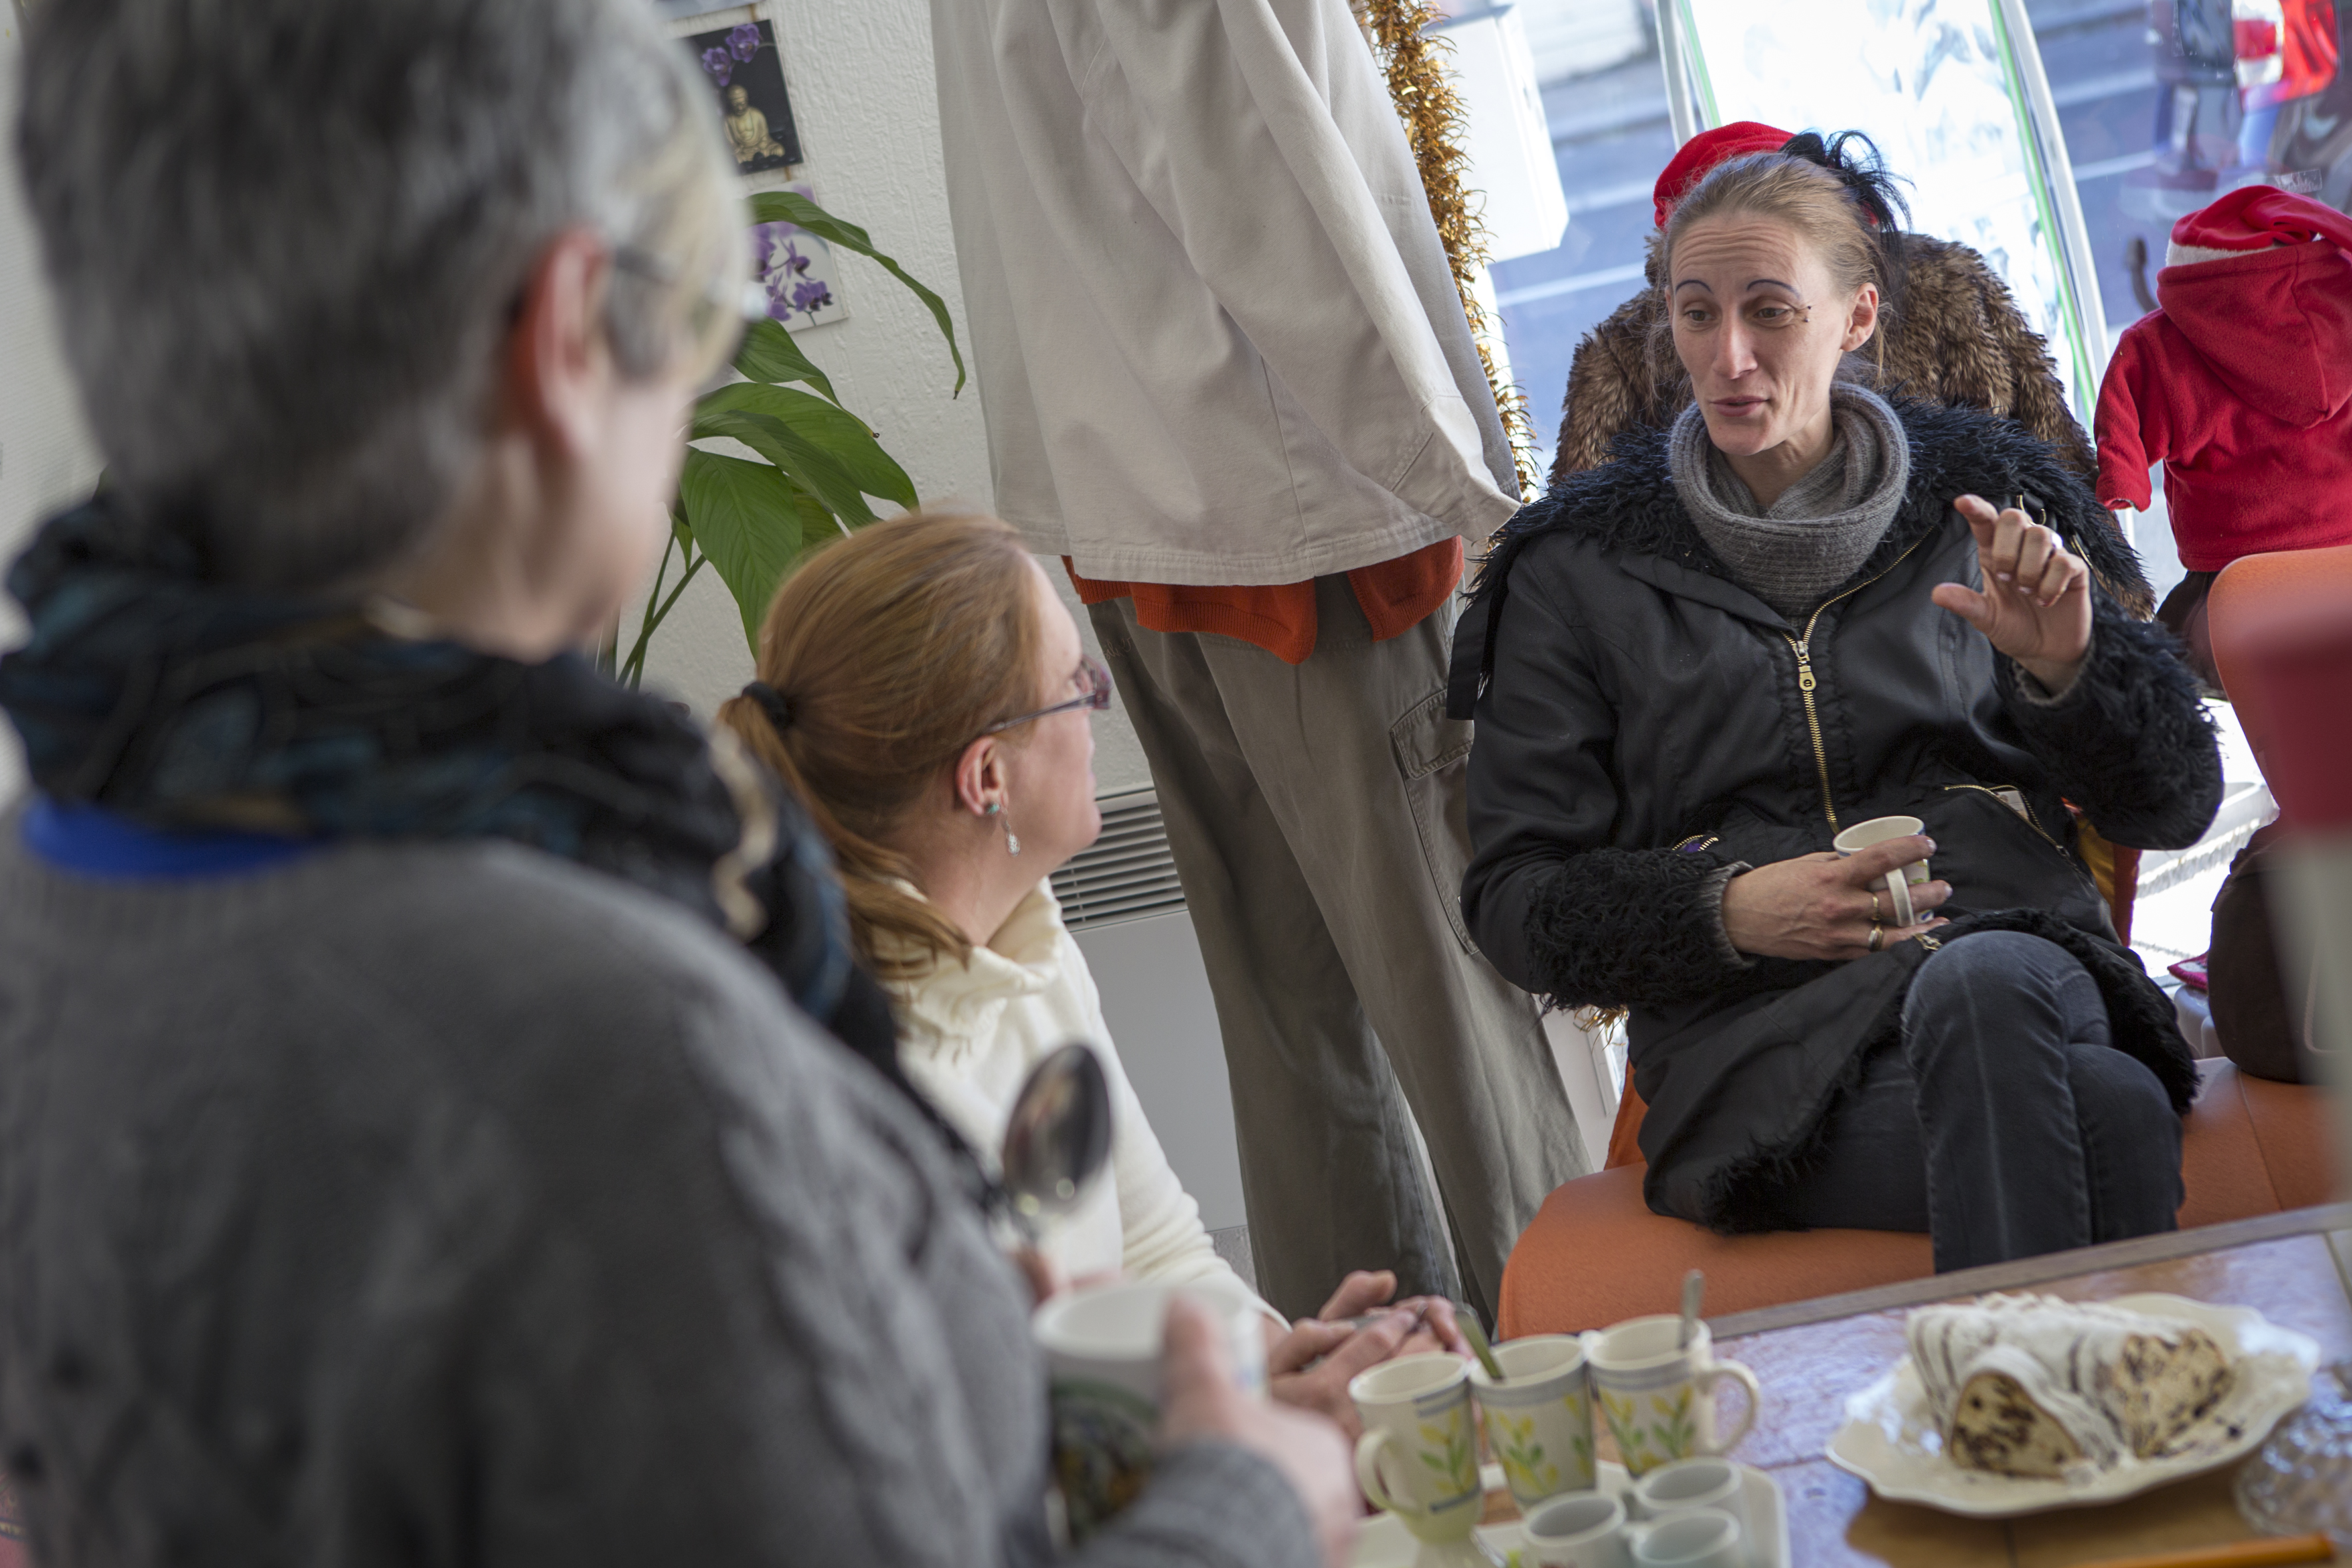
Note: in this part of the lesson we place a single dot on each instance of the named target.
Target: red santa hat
(2254, 217)
(1703, 151)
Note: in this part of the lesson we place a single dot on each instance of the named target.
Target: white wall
(862, 95)
(864, 103)
(47, 458)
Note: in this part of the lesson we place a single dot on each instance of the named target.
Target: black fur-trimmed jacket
(1642, 724)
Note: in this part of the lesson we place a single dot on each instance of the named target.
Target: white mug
(1658, 1396)
(1903, 878)
(1702, 1538)
(1538, 1419)
(1582, 1530)
(1102, 1350)
(1688, 1484)
(1591, 1530)
(1416, 1414)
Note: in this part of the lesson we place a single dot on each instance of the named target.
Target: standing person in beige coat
(1228, 381)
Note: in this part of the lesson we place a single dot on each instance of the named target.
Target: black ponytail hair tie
(1863, 172)
(772, 702)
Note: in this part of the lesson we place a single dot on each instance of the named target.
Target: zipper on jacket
(1805, 684)
(1802, 647)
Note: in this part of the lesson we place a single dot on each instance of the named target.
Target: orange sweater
(1395, 596)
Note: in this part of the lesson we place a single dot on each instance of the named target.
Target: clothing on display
(1228, 379)
(2241, 383)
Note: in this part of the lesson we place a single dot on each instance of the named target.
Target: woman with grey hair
(400, 1158)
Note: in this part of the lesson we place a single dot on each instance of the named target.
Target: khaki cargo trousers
(1316, 816)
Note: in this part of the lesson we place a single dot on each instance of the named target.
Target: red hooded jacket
(2241, 383)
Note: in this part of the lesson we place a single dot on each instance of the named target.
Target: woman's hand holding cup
(1200, 1400)
(1828, 906)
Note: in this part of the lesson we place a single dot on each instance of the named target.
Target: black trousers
(2003, 1125)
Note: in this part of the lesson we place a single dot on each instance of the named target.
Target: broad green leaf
(747, 518)
(770, 354)
(818, 526)
(801, 464)
(841, 435)
(790, 206)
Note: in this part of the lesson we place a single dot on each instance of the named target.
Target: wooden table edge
(2024, 1273)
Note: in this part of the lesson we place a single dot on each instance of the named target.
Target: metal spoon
(1468, 1323)
(1694, 1292)
(1058, 1139)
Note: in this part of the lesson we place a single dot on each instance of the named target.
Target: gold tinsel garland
(1422, 91)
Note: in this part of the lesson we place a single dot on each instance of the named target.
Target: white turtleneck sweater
(968, 1035)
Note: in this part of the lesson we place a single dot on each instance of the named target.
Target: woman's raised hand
(1824, 906)
(2036, 607)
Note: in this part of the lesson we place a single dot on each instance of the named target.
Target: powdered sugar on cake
(2031, 1385)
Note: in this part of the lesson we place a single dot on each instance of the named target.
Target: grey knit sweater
(453, 1204)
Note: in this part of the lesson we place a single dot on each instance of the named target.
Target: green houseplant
(816, 463)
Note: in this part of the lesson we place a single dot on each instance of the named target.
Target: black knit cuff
(1712, 895)
(1632, 928)
(2129, 741)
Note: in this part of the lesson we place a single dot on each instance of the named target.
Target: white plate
(1384, 1542)
(1891, 1440)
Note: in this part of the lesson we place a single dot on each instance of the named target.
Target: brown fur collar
(1956, 339)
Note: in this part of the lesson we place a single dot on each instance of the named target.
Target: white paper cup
(1102, 1351)
(1538, 1419)
(1903, 878)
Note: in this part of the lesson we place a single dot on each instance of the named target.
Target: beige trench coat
(1216, 337)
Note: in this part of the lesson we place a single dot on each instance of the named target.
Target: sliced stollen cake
(2030, 1385)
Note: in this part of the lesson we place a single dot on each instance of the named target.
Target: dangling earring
(1011, 839)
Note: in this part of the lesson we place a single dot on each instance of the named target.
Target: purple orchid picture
(747, 73)
(796, 270)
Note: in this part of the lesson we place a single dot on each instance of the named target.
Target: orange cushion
(1595, 1254)
(2220, 1158)
(2291, 1123)
(1625, 1132)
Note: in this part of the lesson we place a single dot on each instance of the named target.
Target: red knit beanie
(2254, 217)
(1704, 152)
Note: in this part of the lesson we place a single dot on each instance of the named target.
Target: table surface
(2294, 1269)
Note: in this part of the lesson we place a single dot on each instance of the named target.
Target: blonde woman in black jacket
(1791, 613)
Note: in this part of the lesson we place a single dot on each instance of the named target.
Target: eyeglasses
(1096, 698)
(747, 304)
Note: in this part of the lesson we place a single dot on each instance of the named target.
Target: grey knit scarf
(1795, 552)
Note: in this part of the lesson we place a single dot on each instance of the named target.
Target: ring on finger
(1875, 916)
(1877, 936)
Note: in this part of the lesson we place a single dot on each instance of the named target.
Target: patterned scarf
(186, 705)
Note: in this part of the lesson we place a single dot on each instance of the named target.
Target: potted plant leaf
(815, 464)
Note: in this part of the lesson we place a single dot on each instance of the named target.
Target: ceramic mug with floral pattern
(1538, 1419)
(1658, 1399)
(1419, 1456)
(1102, 1348)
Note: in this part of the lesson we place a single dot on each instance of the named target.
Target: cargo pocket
(1432, 758)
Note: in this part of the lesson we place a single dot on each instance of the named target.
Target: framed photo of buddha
(747, 73)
